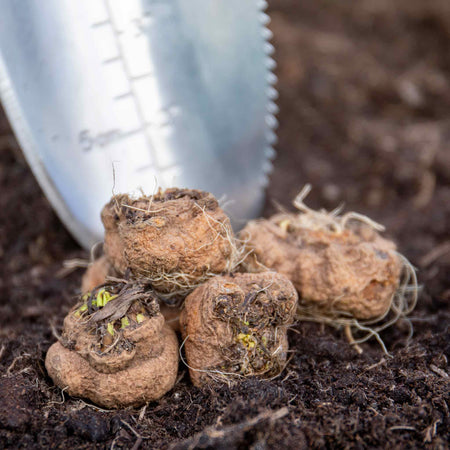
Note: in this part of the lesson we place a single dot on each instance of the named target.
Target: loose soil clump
(236, 326)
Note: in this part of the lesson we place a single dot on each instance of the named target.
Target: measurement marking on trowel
(101, 23)
(88, 140)
(149, 118)
(133, 93)
(132, 132)
(142, 76)
(142, 23)
(111, 60)
(122, 96)
(158, 124)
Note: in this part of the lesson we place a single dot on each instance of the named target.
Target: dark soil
(364, 96)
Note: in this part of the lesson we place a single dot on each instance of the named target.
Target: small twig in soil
(211, 436)
(373, 366)
(96, 408)
(17, 358)
(434, 254)
(137, 444)
(140, 438)
(142, 413)
(426, 190)
(438, 371)
(430, 432)
(402, 427)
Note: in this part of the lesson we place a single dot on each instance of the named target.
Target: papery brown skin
(207, 337)
(185, 232)
(355, 272)
(131, 378)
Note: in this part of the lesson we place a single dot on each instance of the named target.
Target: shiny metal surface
(113, 95)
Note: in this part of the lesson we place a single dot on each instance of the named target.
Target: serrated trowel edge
(272, 94)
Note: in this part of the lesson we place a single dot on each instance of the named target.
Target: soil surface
(364, 96)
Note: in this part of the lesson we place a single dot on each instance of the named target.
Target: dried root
(116, 349)
(346, 274)
(176, 239)
(236, 326)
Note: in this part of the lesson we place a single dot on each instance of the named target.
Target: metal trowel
(111, 96)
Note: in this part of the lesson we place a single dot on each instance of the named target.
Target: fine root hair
(331, 221)
(215, 374)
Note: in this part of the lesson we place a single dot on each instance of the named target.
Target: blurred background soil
(364, 117)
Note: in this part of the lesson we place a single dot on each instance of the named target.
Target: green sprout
(247, 340)
(110, 328)
(103, 297)
(80, 310)
(140, 318)
(124, 322)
